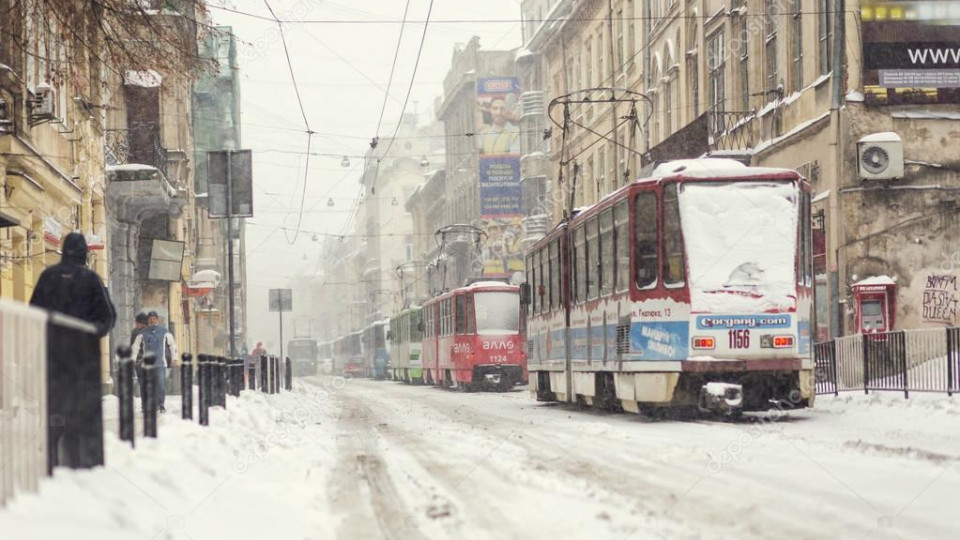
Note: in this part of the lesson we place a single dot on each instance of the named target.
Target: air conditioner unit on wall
(880, 156)
(42, 104)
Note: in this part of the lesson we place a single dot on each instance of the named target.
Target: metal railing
(902, 361)
(141, 143)
(50, 407)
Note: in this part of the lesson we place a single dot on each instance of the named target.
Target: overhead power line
(541, 20)
(306, 123)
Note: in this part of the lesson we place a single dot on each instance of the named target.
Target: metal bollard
(150, 400)
(125, 384)
(186, 386)
(288, 374)
(238, 377)
(224, 381)
(273, 376)
(215, 381)
(252, 376)
(203, 385)
(263, 374)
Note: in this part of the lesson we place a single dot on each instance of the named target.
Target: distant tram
(376, 356)
(348, 355)
(405, 346)
(473, 338)
(303, 354)
(689, 289)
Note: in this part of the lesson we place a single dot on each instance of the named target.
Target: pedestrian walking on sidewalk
(141, 322)
(75, 428)
(252, 359)
(157, 339)
(75, 290)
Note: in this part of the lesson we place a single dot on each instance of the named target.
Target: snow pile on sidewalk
(257, 471)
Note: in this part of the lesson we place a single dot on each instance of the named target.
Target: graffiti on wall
(940, 298)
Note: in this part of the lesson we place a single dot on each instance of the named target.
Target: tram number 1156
(738, 339)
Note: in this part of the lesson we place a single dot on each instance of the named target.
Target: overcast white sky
(342, 70)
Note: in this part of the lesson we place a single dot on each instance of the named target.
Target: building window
(620, 44)
(588, 53)
(770, 44)
(825, 35)
(797, 46)
(668, 107)
(744, 40)
(715, 69)
(631, 31)
(601, 74)
(602, 168)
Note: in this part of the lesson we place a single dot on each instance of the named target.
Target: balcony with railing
(139, 144)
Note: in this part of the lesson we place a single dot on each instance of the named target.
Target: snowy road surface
(366, 459)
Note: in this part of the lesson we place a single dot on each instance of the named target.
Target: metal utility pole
(230, 298)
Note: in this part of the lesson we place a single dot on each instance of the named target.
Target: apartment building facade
(782, 83)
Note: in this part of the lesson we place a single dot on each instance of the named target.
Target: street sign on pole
(281, 300)
(230, 176)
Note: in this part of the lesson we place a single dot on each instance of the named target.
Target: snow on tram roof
(477, 284)
(713, 168)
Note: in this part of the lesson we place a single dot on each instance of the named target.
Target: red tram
(474, 338)
(692, 288)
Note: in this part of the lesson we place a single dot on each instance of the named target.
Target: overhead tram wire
(406, 99)
(393, 67)
(764, 14)
(306, 123)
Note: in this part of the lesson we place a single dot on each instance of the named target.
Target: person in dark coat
(75, 422)
(75, 290)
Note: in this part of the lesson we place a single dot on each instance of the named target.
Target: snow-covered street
(367, 459)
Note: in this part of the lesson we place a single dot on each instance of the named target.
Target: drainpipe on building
(839, 70)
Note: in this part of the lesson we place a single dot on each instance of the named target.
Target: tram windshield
(497, 312)
(302, 349)
(741, 245)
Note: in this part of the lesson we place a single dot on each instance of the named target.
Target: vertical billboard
(911, 51)
(501, 200)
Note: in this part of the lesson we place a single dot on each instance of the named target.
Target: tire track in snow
(365, 493)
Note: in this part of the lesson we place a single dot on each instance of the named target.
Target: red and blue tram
(474, 338)
(691, 288)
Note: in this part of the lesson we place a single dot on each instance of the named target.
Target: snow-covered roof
(713, 168)
(876, 280)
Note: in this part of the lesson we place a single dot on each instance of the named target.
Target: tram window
(593, 260)
(471, 316)
(607, 252)
(645, 237)
(580, 265)
(805, 262)
(555, 300)
(531, 279)
(461, 314)
(543, 281)
(621, 224)
(673, 266)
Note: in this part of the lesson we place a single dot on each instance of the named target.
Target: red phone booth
(874, 303)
